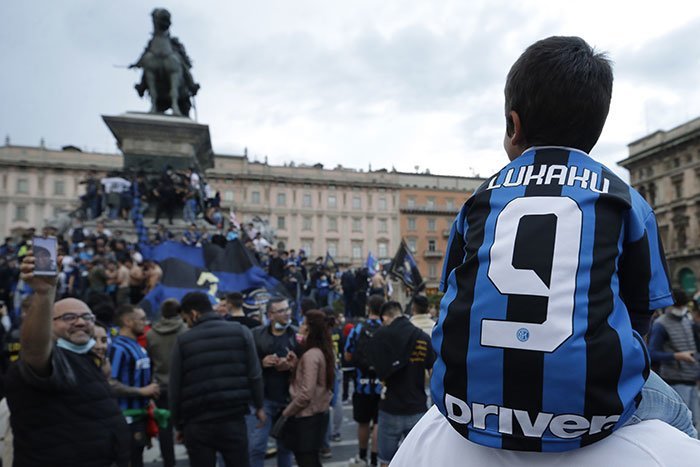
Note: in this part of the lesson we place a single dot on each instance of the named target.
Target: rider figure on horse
(166, 69)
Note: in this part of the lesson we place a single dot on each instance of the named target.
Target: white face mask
(678, 312)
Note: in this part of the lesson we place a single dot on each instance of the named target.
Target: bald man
(62, 408)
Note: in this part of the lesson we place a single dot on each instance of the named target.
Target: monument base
(150, 142)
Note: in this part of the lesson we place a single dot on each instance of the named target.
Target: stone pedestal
(150, 142)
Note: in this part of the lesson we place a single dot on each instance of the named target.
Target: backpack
(360, 357)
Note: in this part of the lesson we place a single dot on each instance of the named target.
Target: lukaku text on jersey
(535, 347)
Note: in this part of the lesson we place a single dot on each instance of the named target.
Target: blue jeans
(391, 428)
(257, 437)
(661, 402)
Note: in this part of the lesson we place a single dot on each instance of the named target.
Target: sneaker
(326, 453)
(336, 437)
(357, 462)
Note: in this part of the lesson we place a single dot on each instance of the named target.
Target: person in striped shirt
(131, 375)
(553, 268)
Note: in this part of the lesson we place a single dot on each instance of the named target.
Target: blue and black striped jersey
(535, 347)
(131, 367)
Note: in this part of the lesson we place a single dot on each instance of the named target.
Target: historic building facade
(428, 206)
(665, 168)
(348, 213)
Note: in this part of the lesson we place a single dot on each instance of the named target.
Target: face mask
(678, 312)
(280, 326)
(75, 348)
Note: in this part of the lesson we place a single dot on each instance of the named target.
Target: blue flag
(210, 269)
(404, 268)
(371, 264)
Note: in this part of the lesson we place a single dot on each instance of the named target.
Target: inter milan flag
(209, 269)
(404, 268)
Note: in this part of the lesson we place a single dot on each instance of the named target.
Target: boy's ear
(516, 135)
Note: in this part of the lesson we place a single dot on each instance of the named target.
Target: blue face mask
(75, 348)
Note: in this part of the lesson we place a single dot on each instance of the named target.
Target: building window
(22, 186)
(281, 223)
(450, 204)
(411, 223)
(678, 186)
(308, 246)
(255, 197)
(383, 249)
(356, 224)
(430, 203)
(20, 213)
(306, 223)
(356, 202)
(432, 270)
(306, 200)
(382, 204)
(383, 226)
(431, 245)
(332, 201)
(59, 187)
(431, 225)
(411, 202)
(228, 195)
(333, 224)
(411, 243)
(332, 248)
(57, 210)
(281, 199)
(356, 250)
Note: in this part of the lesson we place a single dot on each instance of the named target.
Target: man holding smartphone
(58, 396)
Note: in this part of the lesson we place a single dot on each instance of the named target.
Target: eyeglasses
(73, 317)
(281, 310)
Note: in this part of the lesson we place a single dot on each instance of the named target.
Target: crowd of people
(113, 196)
(537, 357)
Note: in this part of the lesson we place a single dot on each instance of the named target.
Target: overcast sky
(399, 83)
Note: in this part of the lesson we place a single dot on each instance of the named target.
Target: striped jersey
(366, 382)
(534, 341)
(131, 367)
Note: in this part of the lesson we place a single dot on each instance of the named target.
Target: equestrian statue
(166, 69)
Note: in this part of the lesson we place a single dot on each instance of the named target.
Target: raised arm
(36, 335)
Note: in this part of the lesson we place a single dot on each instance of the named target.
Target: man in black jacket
(62, 408)
(400, 354)
(215, 374)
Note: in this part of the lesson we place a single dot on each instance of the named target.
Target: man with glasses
(277, 348)
(63, 412)
(131, 370)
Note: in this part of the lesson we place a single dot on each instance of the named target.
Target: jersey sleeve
(644, 279)
(350, 341)
(455, 249)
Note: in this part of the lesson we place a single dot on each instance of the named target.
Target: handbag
(278, 428)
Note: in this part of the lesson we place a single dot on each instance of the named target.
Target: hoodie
(160, 341)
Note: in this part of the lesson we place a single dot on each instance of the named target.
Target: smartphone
(45, 257)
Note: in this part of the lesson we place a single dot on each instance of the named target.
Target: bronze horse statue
(166, 69)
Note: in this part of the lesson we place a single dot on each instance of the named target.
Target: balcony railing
(433, 254)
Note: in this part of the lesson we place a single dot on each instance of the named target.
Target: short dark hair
(420, 304)
(170, 308)
(235, 299)
(680, 298)
(197, 301)
(374, 304)
(273, 300)
(307, 304)
(561, 89)
(391, 308)
(122, 311)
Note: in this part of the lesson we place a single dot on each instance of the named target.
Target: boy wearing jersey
(550, 265)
